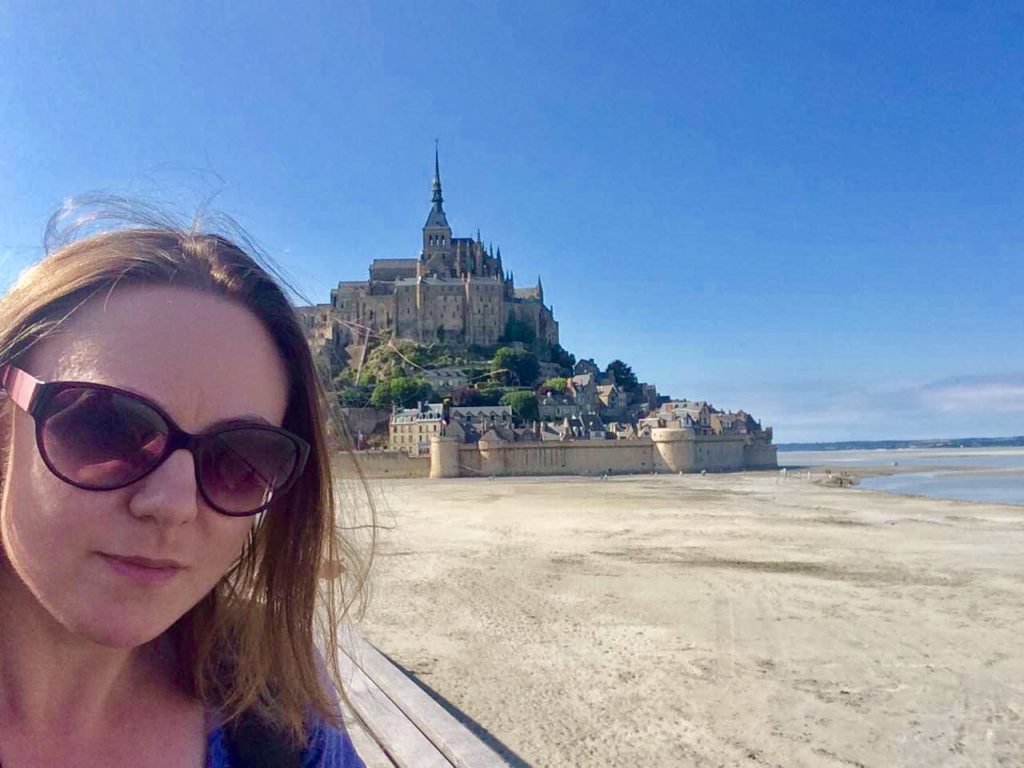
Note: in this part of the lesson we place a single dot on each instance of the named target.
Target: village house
(410, 429)
(621, 431)
(732, 423)
(551, 432)
(586, 426)
(468, 424)
(500, 433)
(583, 388)
(612, 401)
(482, 413)
(555, 406)
(690, 414)
(444, 380)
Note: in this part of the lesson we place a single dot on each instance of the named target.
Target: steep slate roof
(437, 219)
(481, 412)
(391, 269)
(549, 433)
(490, 436)
(582, 380)
(430, 412)
(444, 373)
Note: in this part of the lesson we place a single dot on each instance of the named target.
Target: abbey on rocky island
(456, 292)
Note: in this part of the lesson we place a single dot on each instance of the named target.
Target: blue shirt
(328, 748)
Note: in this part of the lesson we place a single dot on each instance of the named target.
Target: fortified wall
(667, 450)
(379, 465)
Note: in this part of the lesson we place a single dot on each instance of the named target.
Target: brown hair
(250, 644)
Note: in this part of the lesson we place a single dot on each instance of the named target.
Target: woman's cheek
(229, 538)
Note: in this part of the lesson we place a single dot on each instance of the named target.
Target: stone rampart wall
(668, 450)
(375, 464)
(761, 455)
(580, 457)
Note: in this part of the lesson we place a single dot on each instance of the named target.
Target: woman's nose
(169, 494)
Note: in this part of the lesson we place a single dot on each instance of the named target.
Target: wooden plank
(398, 737)
(454, 740)
(366, 746)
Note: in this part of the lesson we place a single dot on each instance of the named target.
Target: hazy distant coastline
(951, 442)
(983, 473)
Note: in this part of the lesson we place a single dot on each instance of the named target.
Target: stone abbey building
(456, 292)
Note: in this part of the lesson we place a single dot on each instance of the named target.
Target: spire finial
(437, 198)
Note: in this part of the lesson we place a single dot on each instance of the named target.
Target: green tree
(565, 360)
(402, 391)
(556, 384)
(524, 405)
(521, 365)
(355, 397)
(623, 375)
(491, 394)
(464, 396)
(345, 378)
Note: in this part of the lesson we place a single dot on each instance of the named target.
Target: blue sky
(814, 211)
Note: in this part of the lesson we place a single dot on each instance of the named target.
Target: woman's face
(204, 360)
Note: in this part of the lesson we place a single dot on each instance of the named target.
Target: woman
(166, 509)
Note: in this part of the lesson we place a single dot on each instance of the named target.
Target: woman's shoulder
(330, 747)
(327, 747)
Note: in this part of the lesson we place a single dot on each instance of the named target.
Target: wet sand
(726, 620)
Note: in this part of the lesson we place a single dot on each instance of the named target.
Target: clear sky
(813, 211)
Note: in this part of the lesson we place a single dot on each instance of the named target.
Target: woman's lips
(142, 570)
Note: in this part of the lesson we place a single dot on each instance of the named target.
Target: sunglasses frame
(33, 396)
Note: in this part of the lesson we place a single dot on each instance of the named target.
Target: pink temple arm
(18, 385)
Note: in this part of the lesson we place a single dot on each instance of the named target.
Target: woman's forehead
(202, 357)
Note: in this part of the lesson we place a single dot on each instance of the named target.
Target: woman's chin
(118, 632)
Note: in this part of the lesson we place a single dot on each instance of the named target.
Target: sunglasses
(101, 438)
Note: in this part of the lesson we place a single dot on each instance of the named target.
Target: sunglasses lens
(100, 439)
(241, 469)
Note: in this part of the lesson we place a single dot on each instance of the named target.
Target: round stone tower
(673, 452)
(444, 457)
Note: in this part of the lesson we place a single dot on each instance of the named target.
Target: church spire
(437, 198)
(436, 220)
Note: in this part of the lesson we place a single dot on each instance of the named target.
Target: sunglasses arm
(19, 386)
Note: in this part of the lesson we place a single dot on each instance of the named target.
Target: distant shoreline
(993, 474)
(951, 442)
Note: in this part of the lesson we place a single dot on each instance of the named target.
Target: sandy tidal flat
(726, 620)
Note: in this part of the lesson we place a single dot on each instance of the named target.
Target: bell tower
(436, 257)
